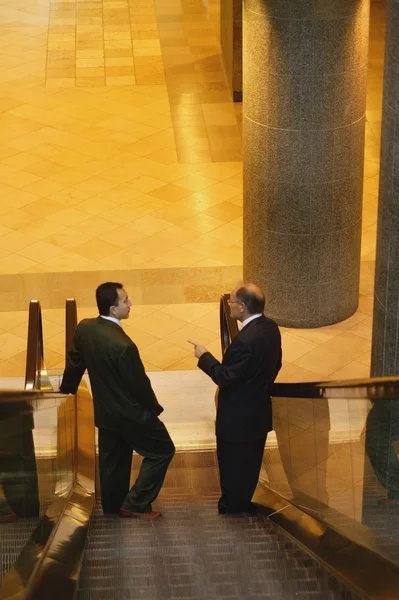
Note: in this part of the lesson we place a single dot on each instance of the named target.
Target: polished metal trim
(363, 570)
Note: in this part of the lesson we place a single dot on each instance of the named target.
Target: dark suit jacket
(122, 393)
(249, 367)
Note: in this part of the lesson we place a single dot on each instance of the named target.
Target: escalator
(327, 526)
(46, 476)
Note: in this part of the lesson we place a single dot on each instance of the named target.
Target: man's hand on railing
(198, 349)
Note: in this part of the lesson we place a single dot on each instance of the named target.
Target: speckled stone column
(385, 345)
(305, 69)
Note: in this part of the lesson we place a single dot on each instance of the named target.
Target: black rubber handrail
(34, 353)
(71, 321)
(228, 326)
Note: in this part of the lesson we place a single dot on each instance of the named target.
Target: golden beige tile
(44, 207)
(195, 182)
(322, 361)
(193, 332)
(140, 338)
(20, 160)
(162, 354)
(96, 249)
(41, 229)
(68, 216)
(60, 83)
(189, 312)
(5, 189)
(171, 192)
(4, 230)
(13, 264)
(45, 187)
(40, 251)
(294, 348)
(228, 231)
(145, 184)
(8, 369)
(119, 71)
(16, 219)
(18, 198)
(223, 210)
(90, 81)
(123, 236)
(90, 72)
(123, 61)
(176, 258)
(23, 179)
(67, 262)
(165, 156)
(353, 370)
(12, 319)
(82, 63)
(151, 205)
(120, 79)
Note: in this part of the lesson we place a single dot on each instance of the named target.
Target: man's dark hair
(254, 302)
(107, 296)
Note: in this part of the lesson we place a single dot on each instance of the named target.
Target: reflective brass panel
(49, 564)
(364, 571)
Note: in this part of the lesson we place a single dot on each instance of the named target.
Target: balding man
(244, 413)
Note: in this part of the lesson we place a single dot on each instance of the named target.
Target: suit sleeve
(134, 374)
(232, 370)
(75, 368)
(279, 363)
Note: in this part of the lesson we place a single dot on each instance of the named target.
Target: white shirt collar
(113, 319)
(251, 318)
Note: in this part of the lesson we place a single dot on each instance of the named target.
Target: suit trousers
(115, 459)
(239, 468)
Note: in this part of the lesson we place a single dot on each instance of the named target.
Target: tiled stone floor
(341, 351)
(119, 150)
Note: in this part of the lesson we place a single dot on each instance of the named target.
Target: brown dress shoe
(131, 514)
(388, 502)
(10, 518)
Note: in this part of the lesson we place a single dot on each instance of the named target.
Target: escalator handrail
(375, 388)
(34, 354)
(228, 325)
(71, 321)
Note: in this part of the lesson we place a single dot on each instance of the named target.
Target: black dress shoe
(249, 508)
(9, 518)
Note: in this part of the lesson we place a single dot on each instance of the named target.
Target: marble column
(305, 69)
(385, 344)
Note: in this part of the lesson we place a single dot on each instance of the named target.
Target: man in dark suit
(244, 412)
(125, 407)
